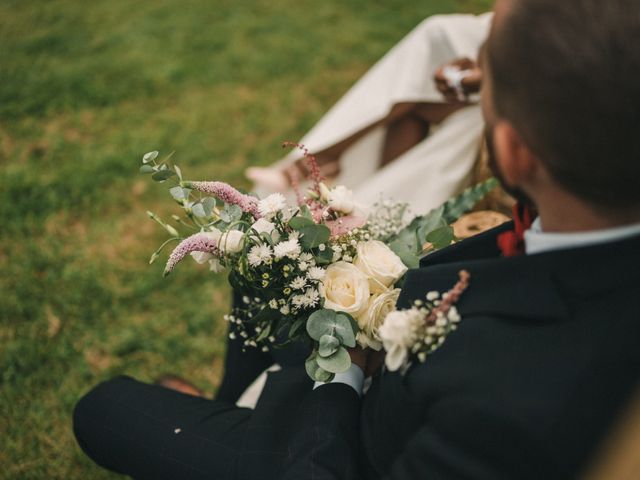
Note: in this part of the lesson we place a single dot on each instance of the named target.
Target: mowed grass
(85, 89)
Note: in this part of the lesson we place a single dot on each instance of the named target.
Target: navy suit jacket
(545, 358)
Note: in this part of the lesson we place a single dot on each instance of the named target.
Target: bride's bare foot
(270, 178)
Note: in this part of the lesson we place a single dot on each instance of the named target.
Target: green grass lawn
(85, 89)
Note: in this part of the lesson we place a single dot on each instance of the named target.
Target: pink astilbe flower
(312, 163)
(200, 242)
(227, 194)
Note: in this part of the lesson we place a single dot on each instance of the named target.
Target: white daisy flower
(284, 311)
(289, 248)
(311, 297)
(316, 273)
(306, 257)
(298, 283)
(259, 254)
(303, 266)
(298, 300)
(270, 206)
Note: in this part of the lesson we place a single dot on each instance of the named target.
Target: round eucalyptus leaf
(312, 236)
(441, 237)
(144, 169)
(208, 203)
(162, 175)
(198, 210)
(314, 371)
(337, 363)
(328, 345)
(345, 330)
(320, 323)
(179, 193)
(149, 156)
(299, 222)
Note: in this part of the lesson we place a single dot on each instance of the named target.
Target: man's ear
(516, 162)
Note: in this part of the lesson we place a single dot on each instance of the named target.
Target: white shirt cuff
(354, 377)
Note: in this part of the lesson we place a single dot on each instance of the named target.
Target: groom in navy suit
(546, 355)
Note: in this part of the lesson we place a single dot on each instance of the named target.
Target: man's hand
(471, 83)
(359, 357)
(367, 359)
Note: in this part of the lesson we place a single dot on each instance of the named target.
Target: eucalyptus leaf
(314, 235)
(231, 213)
(328, 345)
(299, 222)
(149, 156)
(325, 257)
(179, 193)
(320, 323)
(328, 322)
(178, 171)
(208, 203)
(306, 212)
(198, 210)
(162, 175)
(144, 169)
(441, 237)
(315, 372)
(337, 363)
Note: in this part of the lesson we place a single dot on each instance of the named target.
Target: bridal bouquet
(325, 270)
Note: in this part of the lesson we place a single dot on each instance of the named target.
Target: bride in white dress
(398, 99)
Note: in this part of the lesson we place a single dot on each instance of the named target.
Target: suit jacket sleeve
(325, 446)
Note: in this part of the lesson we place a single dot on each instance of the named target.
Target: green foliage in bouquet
(430, 232)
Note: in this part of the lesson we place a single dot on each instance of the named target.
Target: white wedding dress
(438, 167)
(432, 171)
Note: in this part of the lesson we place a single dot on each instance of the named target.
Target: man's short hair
(566, 74)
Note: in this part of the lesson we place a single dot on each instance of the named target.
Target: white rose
(341, 200)
(345, 289)
(231, 241)
(215, 266)
(380, 264)
(214, 234)
(379, 307)
(263, 225)
(398, 336)
(201, 257)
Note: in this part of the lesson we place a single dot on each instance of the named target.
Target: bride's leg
(406, 131)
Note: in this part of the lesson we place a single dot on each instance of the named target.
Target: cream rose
(345, 289)
(231, 241)
(202, 257)
(380, 264)
(379, 307)
(263, 225)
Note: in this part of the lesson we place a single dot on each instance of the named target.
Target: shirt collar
(537, 241)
